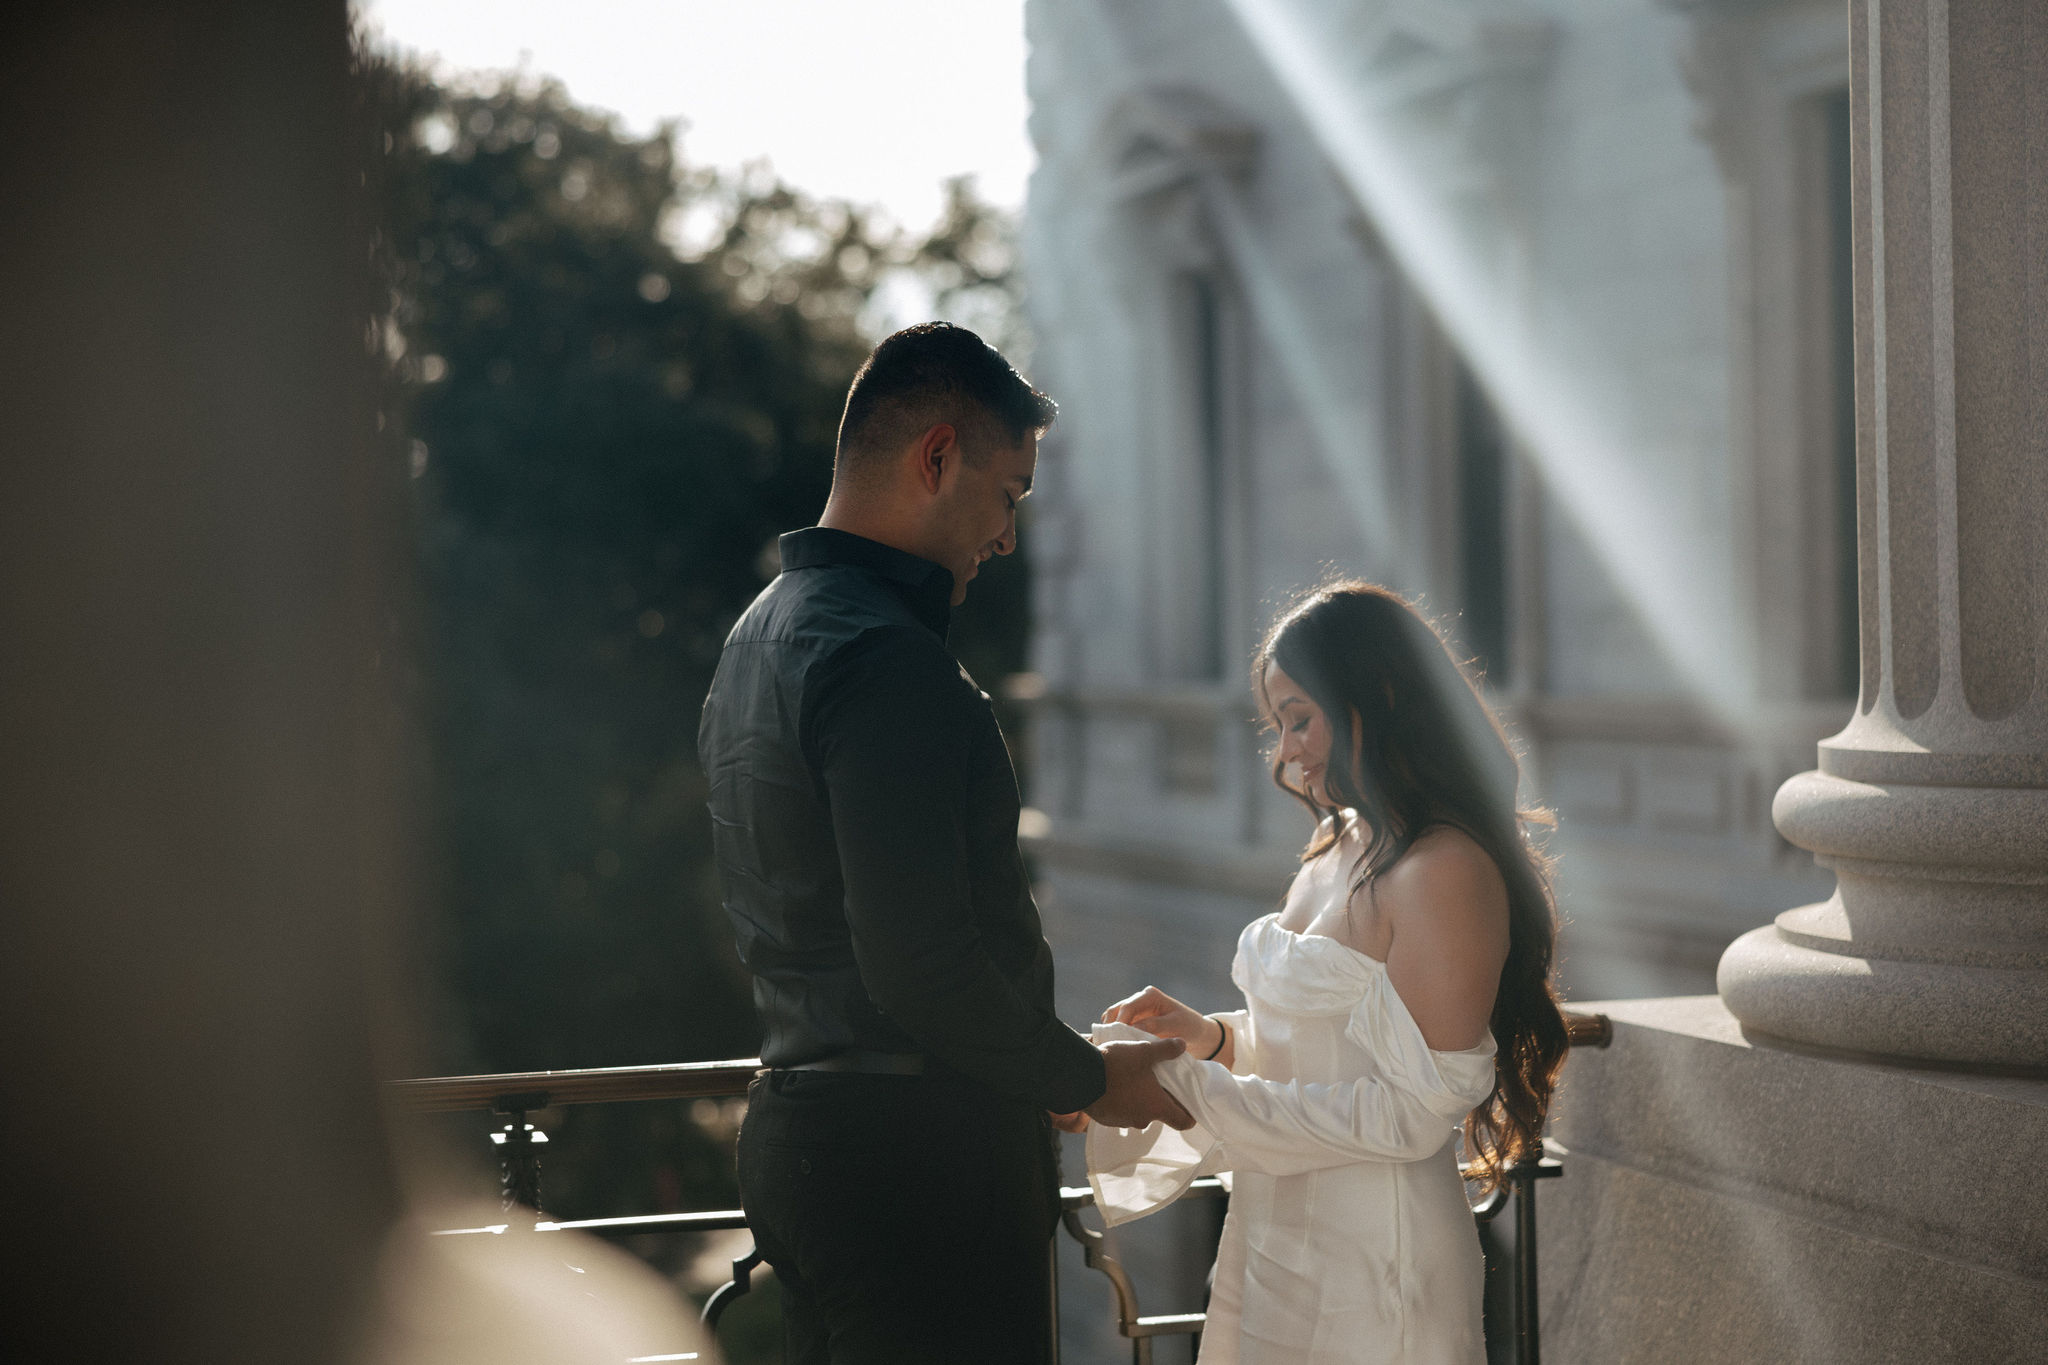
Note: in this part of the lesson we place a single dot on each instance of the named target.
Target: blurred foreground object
(564, 1298)
(196, 852)
(200, 813)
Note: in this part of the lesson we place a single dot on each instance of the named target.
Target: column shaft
(1931, 806)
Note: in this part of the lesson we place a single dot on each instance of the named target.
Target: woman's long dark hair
(1414, 745)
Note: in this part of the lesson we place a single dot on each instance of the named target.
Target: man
(896, 1164)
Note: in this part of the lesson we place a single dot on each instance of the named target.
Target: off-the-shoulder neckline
(1486, 1046)
(1274, 916)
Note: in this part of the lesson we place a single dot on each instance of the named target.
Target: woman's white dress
(1348, 1239)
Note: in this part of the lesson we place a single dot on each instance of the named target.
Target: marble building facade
(1780, 660)
(1258, 390)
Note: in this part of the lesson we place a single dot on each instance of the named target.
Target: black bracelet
(1221, 1038)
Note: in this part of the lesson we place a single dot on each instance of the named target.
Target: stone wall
(1725, 1202)
(1581, 140)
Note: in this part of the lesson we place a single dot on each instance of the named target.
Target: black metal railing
(517, 1146)
(1140, 1330)
(1097, 1254)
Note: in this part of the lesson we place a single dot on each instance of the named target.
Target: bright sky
(870, 100)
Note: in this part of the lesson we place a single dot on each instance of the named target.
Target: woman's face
(1303, 729)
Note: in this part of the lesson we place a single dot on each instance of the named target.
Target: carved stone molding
(1459, 78)
(1162, 138)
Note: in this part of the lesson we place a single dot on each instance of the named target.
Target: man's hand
(1135, 1098)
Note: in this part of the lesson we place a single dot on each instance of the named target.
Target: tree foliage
(616, 380)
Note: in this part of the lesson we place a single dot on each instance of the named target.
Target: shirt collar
(925, 586)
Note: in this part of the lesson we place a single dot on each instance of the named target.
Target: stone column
(1931, 806)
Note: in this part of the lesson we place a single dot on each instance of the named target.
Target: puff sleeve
(1406, 1112)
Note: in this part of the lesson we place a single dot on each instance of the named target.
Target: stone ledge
(1638, 1269)
(1918, 1154)
(1729, 1201)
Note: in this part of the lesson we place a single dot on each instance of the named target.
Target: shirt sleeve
(893, 728)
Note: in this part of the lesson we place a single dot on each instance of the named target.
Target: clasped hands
(1134, 1098)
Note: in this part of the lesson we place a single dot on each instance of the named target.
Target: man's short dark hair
(932, 373)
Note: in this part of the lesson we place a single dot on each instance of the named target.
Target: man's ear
(938, 447)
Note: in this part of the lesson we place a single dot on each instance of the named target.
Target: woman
(1403, 987)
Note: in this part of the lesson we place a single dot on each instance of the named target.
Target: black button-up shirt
(864, 817)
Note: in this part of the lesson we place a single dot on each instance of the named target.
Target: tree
(606, 432)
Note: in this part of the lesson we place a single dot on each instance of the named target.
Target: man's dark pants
(907, 1217)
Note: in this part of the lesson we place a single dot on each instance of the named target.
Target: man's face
(977, 509)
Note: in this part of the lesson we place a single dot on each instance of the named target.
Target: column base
(1724, 1202)
(1778, 983)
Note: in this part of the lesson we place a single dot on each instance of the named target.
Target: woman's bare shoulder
(1448, 904)
(1445, 875)
(1444, 851)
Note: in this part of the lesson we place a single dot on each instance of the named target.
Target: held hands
(1135, 1098)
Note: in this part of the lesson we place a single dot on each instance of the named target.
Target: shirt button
(804, 1165)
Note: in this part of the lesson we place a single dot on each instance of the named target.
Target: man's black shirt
(864, 816)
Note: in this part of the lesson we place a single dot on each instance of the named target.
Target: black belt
(865, 1063)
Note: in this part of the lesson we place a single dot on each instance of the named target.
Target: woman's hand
(1162, 1016)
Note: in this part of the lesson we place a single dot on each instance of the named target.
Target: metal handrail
(1587, 1030)
(680, 1081)
(1136, 1327)
(597, 1085)
(1139, 1329)
(517, 1093)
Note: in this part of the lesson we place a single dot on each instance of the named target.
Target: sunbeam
(1663, 566)
(1292, 339)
